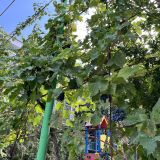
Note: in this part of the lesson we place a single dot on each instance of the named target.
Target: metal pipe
(41, 154)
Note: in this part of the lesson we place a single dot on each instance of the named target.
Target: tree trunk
(53, 147)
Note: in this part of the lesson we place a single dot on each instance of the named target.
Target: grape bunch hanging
(118, 115)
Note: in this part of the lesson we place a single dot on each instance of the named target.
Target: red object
(104, 123)
(92, 156)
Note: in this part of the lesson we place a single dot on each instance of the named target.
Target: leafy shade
(119, 57)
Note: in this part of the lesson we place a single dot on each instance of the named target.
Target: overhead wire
(7, 35)
(5, 10)
(33, 17)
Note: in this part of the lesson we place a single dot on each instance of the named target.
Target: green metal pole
(41, 154)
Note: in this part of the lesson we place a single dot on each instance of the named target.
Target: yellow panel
(103, 139)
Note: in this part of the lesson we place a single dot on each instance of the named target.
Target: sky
(21, 9)
(18, 13)
(82, 28)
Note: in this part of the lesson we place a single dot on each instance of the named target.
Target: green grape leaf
(155, 114)
(59, 106)
(126, 72)
(98, 86)
(118, 59)
(135, 118)
(148, 143)
(69, 123)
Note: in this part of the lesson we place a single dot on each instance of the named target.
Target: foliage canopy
(123, 40)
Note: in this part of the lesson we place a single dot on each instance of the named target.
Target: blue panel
(98, 137)
(87, 141)
(108, 133)
(96, 140)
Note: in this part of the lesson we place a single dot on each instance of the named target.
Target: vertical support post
(99, 139)
(87, 142)
(43, 143)
(96, 140)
